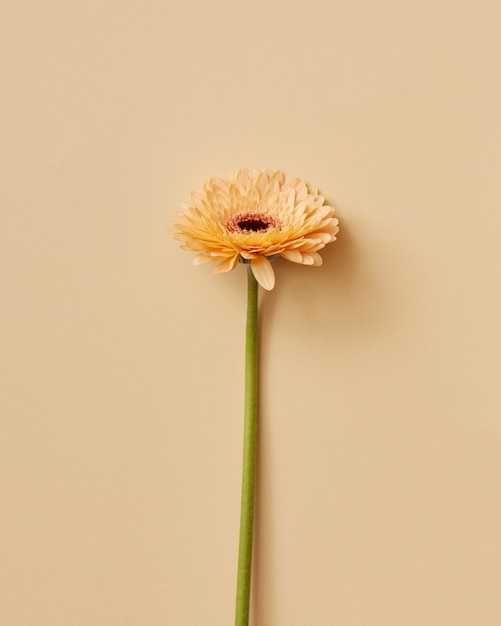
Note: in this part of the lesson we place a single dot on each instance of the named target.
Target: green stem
(249, 456)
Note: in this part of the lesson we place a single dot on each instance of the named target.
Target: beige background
(121, 366)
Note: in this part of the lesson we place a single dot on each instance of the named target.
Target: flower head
(255, 215)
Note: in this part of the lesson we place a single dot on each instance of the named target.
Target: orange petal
(226, 265)
(203, 258)
(248, 255)
(263, 272)
(317, 259)
(308, 259)
(324, 237)
(293, 255)
(262, 183)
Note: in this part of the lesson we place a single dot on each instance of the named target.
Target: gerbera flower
(252, 217)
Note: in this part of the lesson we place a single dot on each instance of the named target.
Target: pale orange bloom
(255, 215)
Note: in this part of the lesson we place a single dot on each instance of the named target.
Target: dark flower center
(250, 223)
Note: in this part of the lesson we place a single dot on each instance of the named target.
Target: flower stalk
(249, 454)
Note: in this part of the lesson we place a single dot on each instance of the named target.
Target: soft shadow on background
(334, 306)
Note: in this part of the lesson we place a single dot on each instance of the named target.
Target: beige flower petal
(317, 259)
(203, 258)
(226, 265)
(308, 259)
(293, 255)
(263, 272)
